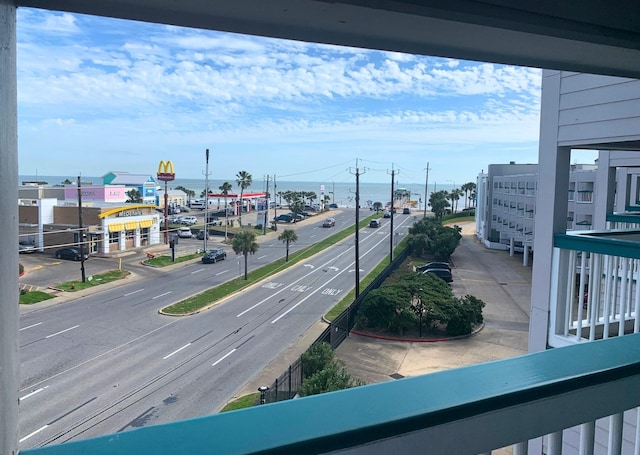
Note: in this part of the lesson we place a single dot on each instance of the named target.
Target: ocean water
(341, 193)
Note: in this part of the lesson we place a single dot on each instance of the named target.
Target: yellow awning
(131, 225)
(116, 227)
(146, 223)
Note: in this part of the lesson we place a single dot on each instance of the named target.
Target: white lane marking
(33, 434)
(308, 265)
(220, 273)
(320, 288)
(161, 295)
(262, 257)
(33, 393)
(197, 271)
(29, 326)
(62, 331)
(299, 279)
(105, 353)
(176, 351)
(223, 357)
(134, 292)
(333, 268)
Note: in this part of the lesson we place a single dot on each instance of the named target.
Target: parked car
(185, 233)
(201, 233)
(26, 247)
(298, 216)
(433, 265)
(406, 211)
(444, 274)
(174, 219)
(375, 224)
(213, 256)
(70, 253)
(188, 220)
(329, 222)
(184, 208)
(285, 217)
(333, 206)
(215, 221)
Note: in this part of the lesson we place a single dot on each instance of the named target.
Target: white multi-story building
(507, 204)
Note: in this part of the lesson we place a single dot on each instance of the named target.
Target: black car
(333, 206)
(433, 265)
(375, 224)
(201, 233)
(70, 253)
(213, 256)
(444, 274)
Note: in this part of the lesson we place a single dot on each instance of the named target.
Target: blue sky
(98, 94)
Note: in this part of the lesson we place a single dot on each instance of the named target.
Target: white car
(188, 220)
(185, 233)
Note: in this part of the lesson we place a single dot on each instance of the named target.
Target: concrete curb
(417, 340)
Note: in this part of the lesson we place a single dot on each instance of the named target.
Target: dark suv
(213, 256)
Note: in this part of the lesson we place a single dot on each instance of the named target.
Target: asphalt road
(109, 362)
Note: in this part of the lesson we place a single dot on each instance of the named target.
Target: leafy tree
(134, 196)
(428, 236)
(377, 206)
(387, 308)
(244, 181)
(245, 242)
(318, 357)
(204, 192)
(438, 202)
(67, 182)
(333, 378)
(288, 236)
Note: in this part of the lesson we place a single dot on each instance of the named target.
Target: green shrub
(316, 358)
(20, 269)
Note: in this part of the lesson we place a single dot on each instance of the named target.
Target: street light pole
(206, 200)
(426, 191)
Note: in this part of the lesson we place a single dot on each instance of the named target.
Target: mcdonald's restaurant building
(105, 229)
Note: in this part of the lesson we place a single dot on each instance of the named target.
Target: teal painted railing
(467, 410)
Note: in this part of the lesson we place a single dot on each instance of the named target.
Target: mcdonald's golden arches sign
(166, 173)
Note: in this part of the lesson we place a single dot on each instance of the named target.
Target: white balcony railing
(595, 290)
(567, 396)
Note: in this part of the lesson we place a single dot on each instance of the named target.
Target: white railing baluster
(623, 295)
(615, 434)
(636, 450)
(636, 322)
(521, 448)
(587, 438)
(581, 294)
(595, 293)
(570, 294)
(555, 443)
(608, 295)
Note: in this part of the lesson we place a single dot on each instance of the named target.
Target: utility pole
(81, 233)
(357, 174)
(206, 200)
(275, 204)
(426, 190)
(393, 206)
(266, 212)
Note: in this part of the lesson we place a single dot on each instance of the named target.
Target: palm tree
(288, 236)
(245, 242)
(224, 189)
(244, 181)
(134, 196)
(188, 192)
(377, 206)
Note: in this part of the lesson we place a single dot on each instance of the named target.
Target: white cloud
(131, 91)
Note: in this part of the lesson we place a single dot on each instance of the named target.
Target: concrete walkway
(493, 276)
